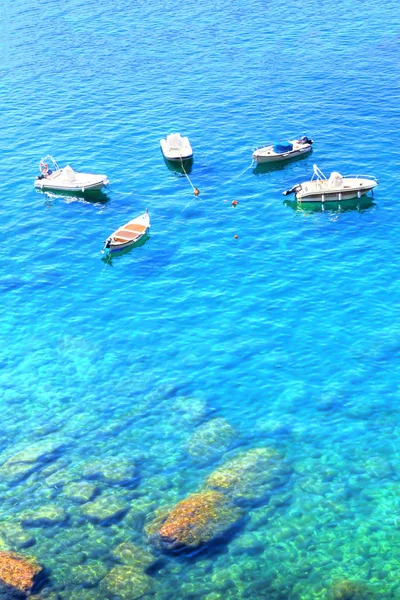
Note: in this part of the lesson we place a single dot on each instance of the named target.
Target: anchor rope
(186, 175)
(242, 173)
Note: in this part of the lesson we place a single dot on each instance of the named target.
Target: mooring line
(242, 173)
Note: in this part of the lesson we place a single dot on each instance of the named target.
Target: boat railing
(352, 176)
(263, 146)
(317, 173)
(48, 158)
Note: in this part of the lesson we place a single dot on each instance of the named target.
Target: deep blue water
(290, 332)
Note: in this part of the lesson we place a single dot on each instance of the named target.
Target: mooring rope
(242, 173)
(188, 178)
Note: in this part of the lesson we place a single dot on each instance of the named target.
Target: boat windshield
(174, 140)
(335, 180)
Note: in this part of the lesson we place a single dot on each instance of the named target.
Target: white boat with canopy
(282, 151)
(334, 189)
(65, 179)
(176, 148)
(128, 234)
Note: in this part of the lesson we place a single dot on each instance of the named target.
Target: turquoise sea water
(289, 333)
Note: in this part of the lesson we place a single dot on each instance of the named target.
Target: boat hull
(43, 184)
(178, 159)
(272, 157)
(334, 195)
(183, 167)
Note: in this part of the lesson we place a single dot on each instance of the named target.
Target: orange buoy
(196, 191)
(235, 202)
(236, 237)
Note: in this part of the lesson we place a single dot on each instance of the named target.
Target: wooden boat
(283, 151)
(338, 187)
(128, 234)
(176, 148)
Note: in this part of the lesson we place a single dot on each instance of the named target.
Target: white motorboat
(334, 189)
(128, 234)
(176, 148)
(65, 179)
(284, 151)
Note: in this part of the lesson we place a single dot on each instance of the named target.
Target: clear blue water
(289, 333)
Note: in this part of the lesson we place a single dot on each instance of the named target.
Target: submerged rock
(251, 476)
(126, 583)
(133, 555)
(193, 522)
(349, 590)
(44, 516)
(40, 452)
(80, 491)
(19, 575)
(88, 575)
(210, 440)
(28, 460)
(114, 471)
(16, 536)
(189, 409)
(105, 509)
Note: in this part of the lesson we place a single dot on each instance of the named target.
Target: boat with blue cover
(283, 151)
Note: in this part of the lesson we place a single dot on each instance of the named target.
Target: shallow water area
(244, 359)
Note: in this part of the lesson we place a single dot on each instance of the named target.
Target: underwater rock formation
(126, 582)
(18, 575)
(193, 522)
(133, 555)
(105, 509)
(349, 590)
(250, 476)
(210, 440)
(44, 516)
(87, 575)
(28, 460)
(17, 538)
(113, 471)
(189, 409)
(80, 491)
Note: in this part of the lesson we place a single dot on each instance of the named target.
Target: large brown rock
(18, 575)
(193, 522)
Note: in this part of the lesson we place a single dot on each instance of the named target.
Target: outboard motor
(296, 188)
(306, 140)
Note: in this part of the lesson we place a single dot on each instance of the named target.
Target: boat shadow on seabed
(359, 204)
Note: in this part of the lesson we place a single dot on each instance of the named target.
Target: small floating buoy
(196, 191)
(236, 237)
(235, 202)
